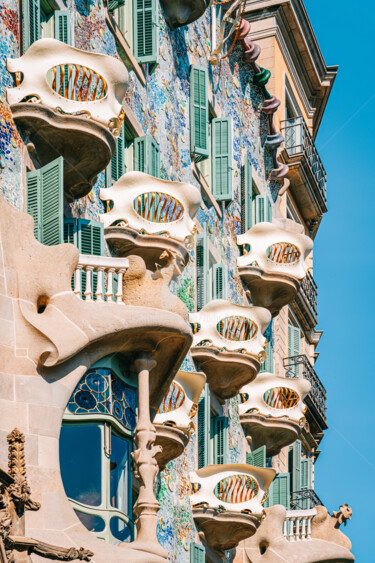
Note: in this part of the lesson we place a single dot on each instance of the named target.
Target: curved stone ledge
(173, 441)
(274, 433)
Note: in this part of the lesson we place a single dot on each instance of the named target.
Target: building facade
(160, 194)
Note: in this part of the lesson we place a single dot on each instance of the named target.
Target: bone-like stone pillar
(145, 465)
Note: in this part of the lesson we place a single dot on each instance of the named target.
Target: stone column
(145, 465)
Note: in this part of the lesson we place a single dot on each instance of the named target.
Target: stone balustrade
(95, 278)
(297, 525)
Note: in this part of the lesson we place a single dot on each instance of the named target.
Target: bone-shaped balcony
(227, 502)
(272, 411)
(173, 421)
(67, 102)
(229, 344)
(150, 216)
(272, 264)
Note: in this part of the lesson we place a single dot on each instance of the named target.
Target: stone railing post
(145, 465)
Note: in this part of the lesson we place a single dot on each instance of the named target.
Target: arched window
(95, 446)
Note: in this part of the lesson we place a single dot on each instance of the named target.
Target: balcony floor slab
(274, 433)
(172, 440)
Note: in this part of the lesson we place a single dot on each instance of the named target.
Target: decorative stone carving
(182, 12)
(272, 410)
(150, 216)
(326, 527)
(229, 344)
(273, 264)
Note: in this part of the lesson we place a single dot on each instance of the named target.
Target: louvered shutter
(268, 211)
(140, 154)
(63, 26)
(154, 158)
(267, 365)
(114, 4)
(294, 349)
(279, 491)
(220, 439)
(204, 408)
(306, 481)
(51, 202)
(199, 113)
(219, 281)
(263, 209)
(33, 200)
(295, 465)
(145, 20)
(257, 457)
(147, 156)
(118, 159)
(202, 259)
(31, 22)
(70, 231)
(222, 159)
(246, 196)
(197, 553)
(89, 240)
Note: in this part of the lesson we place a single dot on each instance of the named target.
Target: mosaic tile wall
(162, 109)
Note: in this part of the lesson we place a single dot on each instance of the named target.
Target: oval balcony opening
(236, 489)
(173, 399)
(158, 207)
(281, 398)
(283, 253)
(236, 328)
(77, 82)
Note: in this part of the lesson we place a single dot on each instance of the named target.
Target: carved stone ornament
(15, 499)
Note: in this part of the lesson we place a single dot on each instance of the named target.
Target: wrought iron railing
(317, 395)
(309, 291)
(304, 500)
(298, 140)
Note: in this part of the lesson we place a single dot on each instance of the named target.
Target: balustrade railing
(309, 292)
(317, 395)
(297, 525)
(304, 500)
(298, 140)
(99, 278)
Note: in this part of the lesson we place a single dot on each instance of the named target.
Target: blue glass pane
(120, 529)
(119, 473)
(80, 463)
(92, 522)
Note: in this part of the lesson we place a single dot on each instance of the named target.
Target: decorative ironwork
(318, 393)
(298, 140)
(309, 293)
(100, 391)
(304, 500)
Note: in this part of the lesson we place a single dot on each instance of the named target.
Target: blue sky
(345, 266)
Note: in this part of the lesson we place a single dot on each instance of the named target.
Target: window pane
(91, 521)
(119, 467)
(80, 462)
(120, 529)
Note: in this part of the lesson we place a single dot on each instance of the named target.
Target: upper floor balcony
(272, 411)
(174, 420)
(305, 305)
(272, 264)
(229, 344)
(297, 366)
(68, 103)
(304, 500)
(227, 502)
(150, 216)
(307, 175)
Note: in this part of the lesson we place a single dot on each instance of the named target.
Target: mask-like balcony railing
(229, 344)
(227, 502)
(100, 278)
(272, 264)
(308, 176)
(305, 305)
(272, 411)
(173, 422)
(68, 103)
(150, 216)
(304, 500)
(296, 366)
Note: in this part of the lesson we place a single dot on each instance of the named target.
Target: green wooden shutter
(154, 159)
(263, 209)
(220, 433)
(31, 22)
(219, 281)
(33, 200)
(257, 457)
(268, 210)
(267, 365)
(202, 257)
(118, 159)
(306, 480)
(222, 159)
(90, 237)
(140, 154)
(279, 491)
(51, 189)
(197, 553)
(294, 348)
(147, 155)
(114, 4)
(247, 196)
(145, 20)
(63, 26)
(204, 407)
(199, 113)
(295, 465)
(70, 231)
